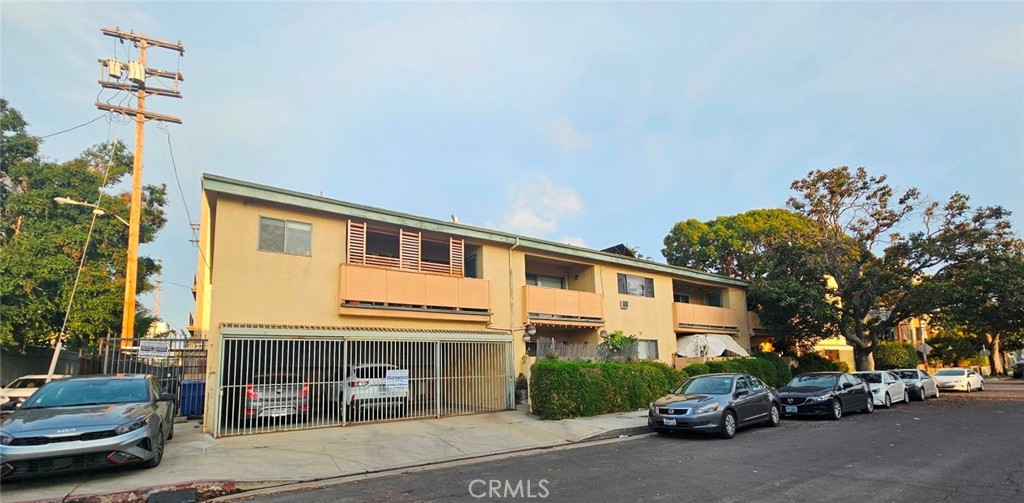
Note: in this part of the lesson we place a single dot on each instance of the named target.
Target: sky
(591, 124)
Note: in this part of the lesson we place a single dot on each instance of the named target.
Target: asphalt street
(961, 447)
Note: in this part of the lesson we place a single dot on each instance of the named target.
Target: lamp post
(96, 210)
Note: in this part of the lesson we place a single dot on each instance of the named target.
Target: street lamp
(95, 208)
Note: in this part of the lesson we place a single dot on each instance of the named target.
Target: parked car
(12, 396)
(270, 395)
(920, 384)
(87, 422)
(1018, 369)
(959, 379)
(717, 403)
(371, 396)
(826, 393)
(886, 387)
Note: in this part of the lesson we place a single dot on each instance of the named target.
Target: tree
(882, 277)
(765, 247)
(41, 243)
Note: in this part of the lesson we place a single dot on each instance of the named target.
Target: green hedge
(895, 355)
(814, 362)
(771, 369)
(560, 389)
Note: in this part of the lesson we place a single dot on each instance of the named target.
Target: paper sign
(396, 379)
(154, 348)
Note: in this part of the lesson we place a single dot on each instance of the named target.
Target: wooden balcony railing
(566, 306)
(710, 318)
(373, 287)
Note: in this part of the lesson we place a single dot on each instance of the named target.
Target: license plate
(283, 411)
(791, 408)
(670, 422)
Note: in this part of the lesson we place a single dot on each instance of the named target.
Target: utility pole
(136, 82)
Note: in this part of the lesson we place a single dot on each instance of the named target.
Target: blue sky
(593, 124)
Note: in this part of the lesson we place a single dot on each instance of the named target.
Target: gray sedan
(920, 384)
(716, 403)
(85, 423)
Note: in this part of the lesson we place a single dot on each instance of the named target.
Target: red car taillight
(251, 393)
(305, 391)
(357, 384)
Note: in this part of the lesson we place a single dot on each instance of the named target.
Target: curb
(189, 491)
(619, 432)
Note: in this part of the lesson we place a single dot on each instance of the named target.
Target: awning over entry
(708, 345)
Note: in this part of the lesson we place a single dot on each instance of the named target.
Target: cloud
(539, 207)
(574, 241)
(564, 134)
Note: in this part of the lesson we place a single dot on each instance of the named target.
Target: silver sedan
(716, 403)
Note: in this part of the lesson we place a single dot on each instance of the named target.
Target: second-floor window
(545, 281)
(714, 299)
(636, 285)
(285, 236)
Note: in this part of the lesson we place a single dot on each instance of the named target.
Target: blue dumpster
(192, 394)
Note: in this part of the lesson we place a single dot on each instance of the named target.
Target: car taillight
(357, 384)
(251, 393)
(305, 390)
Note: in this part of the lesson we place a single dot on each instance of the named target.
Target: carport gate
(274, 379)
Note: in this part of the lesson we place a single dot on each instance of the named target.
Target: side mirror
(167, 397)
(847, 385)
(742, 392)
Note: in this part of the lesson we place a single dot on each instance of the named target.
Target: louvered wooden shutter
(356, 242)
(409, 250)
(457, 257)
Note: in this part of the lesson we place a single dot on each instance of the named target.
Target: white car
(376, 391)
(960, 379)
(886, 387)
(21, 388)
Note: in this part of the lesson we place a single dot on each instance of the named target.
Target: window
(714, 299)
(636, 285)
(545, 281)
(470, 266)
(681, 297)
(756, 384)
(285, 236)
(741, 384)
(381, 244)
(647, 349)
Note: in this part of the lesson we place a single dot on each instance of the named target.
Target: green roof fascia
(221, 184)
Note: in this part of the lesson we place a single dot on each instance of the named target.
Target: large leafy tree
(767, 248)
(41, 243)
(880, 275)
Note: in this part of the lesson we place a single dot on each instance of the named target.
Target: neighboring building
(310, 284)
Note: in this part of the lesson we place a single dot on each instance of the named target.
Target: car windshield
(89, 392)
(871, 378)
(951, 372)
(907, 374)
(813, 381)
(710, 385)
(27, 382)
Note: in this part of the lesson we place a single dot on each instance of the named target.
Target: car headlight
(129, 427)
(820, 398)
(6, 439)
(707, 408)
(877, 391)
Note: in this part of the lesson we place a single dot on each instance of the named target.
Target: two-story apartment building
(321, 312)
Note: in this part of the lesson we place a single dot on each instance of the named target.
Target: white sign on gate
(396, 379)
(154, 348)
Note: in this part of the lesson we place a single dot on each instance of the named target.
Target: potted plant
(521, 385)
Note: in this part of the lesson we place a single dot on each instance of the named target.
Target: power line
(37, 138)
(181, 192)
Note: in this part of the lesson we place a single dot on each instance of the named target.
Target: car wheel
(922, 395)
(906, 396)
(936, 395)
(888, 401)
(774, 417)
(171, 434)
(869, 407)
(969, 388)
(728, 424)
(837, 410)
(981, 387)
(158, 456)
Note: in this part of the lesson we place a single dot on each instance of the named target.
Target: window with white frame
(647, 349)
(636, 285)
(285, 236)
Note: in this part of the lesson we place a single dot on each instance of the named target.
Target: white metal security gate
(280, 382)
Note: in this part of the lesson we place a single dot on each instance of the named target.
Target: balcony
(373, 291)
(553, 306)
(698, 318)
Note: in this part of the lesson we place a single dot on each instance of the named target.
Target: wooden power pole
(136, 82)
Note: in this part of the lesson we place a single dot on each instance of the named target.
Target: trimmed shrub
(561, 390)
(782, 371)
(895, 355)
(814, 362)
(696, 369)
(841, 366)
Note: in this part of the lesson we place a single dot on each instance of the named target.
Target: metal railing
(276, 384)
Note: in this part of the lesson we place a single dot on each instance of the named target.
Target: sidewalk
(247, 462)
